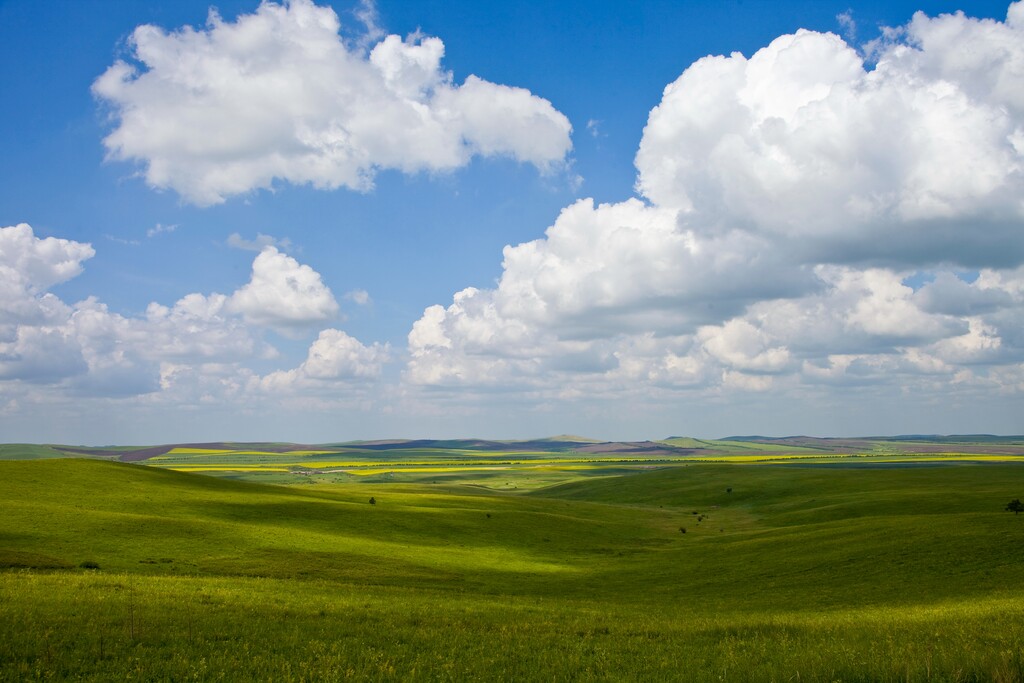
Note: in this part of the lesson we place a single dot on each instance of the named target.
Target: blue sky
(286, 224)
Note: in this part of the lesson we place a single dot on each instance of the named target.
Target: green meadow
(795, 570)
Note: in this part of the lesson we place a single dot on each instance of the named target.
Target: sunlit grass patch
(237, 451)
(933, 457)
(306, 452)
(101, 626)
(872, 457)
(225, 468)
(199, 451)
(369, 471)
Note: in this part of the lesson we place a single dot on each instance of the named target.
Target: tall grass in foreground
(93, 626)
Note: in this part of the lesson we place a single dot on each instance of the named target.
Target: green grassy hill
(869, 535)
(144, 520)
(26, 451)
(725, 446)
(797, 572)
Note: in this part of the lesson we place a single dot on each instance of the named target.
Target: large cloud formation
(200, 348)
(914, 162)
(278, 95)
(790, 200)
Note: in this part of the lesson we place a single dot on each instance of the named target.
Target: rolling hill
(117, 570)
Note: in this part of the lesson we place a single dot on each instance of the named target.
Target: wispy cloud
(848, 26)
(369, 17)
(160, 228)
(236, 241)
(359, 297)
(122, 240)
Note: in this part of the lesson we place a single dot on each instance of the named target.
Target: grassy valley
(666, 567)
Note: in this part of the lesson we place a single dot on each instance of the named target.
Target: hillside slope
(817, 574)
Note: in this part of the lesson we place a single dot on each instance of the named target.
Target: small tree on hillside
(1015, 506)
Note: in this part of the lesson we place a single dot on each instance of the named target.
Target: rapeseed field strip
(301, 462)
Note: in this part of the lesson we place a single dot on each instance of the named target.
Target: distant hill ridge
(898, 437)
(672, 447)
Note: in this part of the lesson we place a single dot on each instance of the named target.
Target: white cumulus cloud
(359, 297)
(335, 357)
(283, 294)
(277, 95)
(739, 345)
(32, 264)
(198, 350)
(40, 355)
(917, 161)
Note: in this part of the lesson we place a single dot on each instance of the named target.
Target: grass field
(783, 573)
(510, 469)
(523, 465)
(22, 451)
